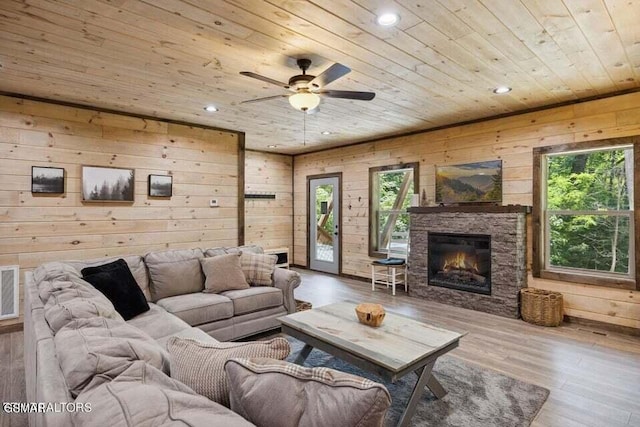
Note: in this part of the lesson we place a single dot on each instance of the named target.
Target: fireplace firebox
(460, 261)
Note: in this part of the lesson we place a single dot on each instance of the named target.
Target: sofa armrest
(287, 280)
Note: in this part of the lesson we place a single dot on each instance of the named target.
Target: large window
(390, 192)
(585, 218)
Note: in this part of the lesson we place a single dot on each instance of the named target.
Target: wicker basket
(541, 307)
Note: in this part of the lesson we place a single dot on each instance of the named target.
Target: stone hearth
(507, 227)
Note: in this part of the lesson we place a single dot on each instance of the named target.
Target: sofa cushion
(254, 299)
(223, 273)
(54, 271)
(117, 283)
(173, 255)
(158, 323)
(136, 266)
(199, 307)
(65, 289)
(200, 365)
(174, 272)
(250, 249)
(261, 390)
(258, 268)
(143, 396)
(61, 309)
(92, 351)
(215, 252)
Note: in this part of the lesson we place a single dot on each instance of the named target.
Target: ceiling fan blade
(329, 75)
(267, 98)
(348, 94)
(264, 79)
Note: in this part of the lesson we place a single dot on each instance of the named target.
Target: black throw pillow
(117, 283)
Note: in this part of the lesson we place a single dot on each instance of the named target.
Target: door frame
(340, 214)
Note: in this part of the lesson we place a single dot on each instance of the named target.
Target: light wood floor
(12, 387)
(594, 379)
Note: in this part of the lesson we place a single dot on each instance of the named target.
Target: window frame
(539, 266)
(373, 253)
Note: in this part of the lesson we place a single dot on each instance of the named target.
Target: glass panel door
(324, 224)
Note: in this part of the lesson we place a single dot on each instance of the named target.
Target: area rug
(303, 305)
(476, 396)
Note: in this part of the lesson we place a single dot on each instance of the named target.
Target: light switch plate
(213, 203)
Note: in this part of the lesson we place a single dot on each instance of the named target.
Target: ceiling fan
(307, 89)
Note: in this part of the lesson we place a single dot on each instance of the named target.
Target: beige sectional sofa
(226, 316)
(177, 308)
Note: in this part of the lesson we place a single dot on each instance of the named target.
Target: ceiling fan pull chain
(304, 129)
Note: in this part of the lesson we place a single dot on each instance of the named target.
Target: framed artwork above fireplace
(469, 183)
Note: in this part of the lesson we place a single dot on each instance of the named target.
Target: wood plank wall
(510, 139)
(269, 222)
(34, 229)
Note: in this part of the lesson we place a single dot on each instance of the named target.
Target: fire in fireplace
(460, 261)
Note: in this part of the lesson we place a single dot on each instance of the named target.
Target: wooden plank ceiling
(437, 66)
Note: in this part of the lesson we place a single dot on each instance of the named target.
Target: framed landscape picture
(107, 184)
(47, 180)
(469, 183)
(160, 185)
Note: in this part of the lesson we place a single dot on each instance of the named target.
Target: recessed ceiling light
(502, 89)
(211, 108)
(325, 132)
(387, 19)
(272, 146)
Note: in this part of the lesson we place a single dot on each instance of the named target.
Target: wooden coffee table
(400, 346)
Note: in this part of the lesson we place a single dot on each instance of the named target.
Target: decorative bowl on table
(370, 314)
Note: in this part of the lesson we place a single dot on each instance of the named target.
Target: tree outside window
(588, 212)
(324, 197)
(391, 189)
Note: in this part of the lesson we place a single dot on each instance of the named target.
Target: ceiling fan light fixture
(387, 19)
(210, 108)
(304, 101)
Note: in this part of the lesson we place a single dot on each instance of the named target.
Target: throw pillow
(117, 283)
(258, 268)
(261, 390)
(223, 273)
(175, 272)
(144, 396)
(134, 262)
(200, 365)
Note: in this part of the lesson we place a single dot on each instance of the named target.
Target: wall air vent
(9, 304)
(262, 195)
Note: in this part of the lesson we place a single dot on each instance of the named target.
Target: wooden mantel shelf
(471, 209)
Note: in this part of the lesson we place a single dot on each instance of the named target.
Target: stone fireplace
(469, 256)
